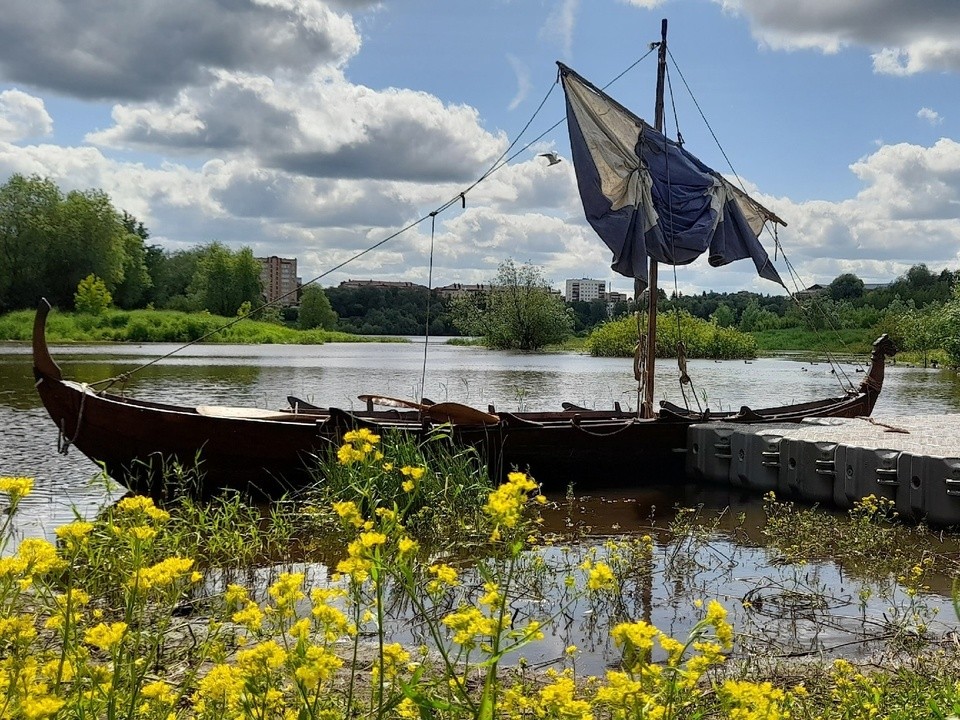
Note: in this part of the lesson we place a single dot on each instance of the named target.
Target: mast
(651, 359)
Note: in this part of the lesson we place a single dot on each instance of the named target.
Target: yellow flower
(287, 590)
(362, 435)
(251, 617)
(408, 485)
(444, 574)
(407, 547)
(265, 656)
(601, 577)
(104, 636)
(394, 658)
(159, 692)
(142, 532)
(16, 487)
(505, 504)
(348, 512)
(415, 473)
(41, 707)
(74, 534)
(223, 683)
(141, 504)
(235, 595)
(163, 574)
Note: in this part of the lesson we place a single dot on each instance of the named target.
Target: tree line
(51, 242)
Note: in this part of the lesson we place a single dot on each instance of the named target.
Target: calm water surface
(334, 374)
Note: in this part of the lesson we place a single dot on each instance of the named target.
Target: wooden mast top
(651, 359)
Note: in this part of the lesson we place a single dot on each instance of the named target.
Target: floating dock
(913, 461)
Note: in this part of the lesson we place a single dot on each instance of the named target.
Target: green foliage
(846, 287)
(315, 310)
(950, 324)
(587, 315)
(373, 310)
(92, 296)
(518, 312)
(225, 279)
(49, 242)
(701, 339)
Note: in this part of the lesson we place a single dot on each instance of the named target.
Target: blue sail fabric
(647, 197)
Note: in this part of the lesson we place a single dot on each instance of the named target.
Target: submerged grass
(138, 613)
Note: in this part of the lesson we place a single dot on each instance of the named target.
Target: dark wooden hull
(143, 444)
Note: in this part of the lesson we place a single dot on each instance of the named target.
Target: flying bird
(552, 157)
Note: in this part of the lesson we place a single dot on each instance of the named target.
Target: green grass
(854, 340)
(165, 326)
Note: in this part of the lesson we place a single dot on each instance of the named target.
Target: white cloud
(23, 116)
(931, 116)
(905, 38)
(560, 24)
(646, 4)
(319, 126)
(522, 73)
(136, 50)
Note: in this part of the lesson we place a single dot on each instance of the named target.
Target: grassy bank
(165, 326)
(849, 341)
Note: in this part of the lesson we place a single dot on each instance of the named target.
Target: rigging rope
(503, 160)
(426, 333)
(794, 276)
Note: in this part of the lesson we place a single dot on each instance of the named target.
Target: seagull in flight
(552, 157)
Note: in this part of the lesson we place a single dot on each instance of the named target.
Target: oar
(451, 412)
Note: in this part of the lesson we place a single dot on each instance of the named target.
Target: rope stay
(504, 159)
(795, 279)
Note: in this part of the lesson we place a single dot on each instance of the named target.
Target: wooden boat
(624, 173)
(265, 454)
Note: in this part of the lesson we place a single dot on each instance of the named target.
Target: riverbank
(169, 326)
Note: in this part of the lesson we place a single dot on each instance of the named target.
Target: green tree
(92, 296)
(132, 291)
(950, 327)
(225, 279)
(724, 316)
(28, 212)
(518, 312)
(315, 310)
(846, 287)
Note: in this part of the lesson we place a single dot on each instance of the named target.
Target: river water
(334, 374)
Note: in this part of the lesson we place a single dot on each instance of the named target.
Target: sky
(317, 129)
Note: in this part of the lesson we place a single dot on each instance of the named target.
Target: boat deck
(913, 461)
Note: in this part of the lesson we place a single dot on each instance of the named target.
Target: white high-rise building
(585, 290)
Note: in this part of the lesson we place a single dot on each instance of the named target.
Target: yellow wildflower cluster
(505, 504)
(746, 700)
(599, 576)
(444, 576)
(106, 636)
(139, 506)
(412, 475)
(164, 574)
(16, 487)
(357, 446)
(35, 557)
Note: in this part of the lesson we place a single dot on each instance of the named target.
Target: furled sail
(647, 197)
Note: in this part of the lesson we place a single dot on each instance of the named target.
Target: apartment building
(585, 290)
(278, 278)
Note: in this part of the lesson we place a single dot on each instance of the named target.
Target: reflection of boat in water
(651, 202)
